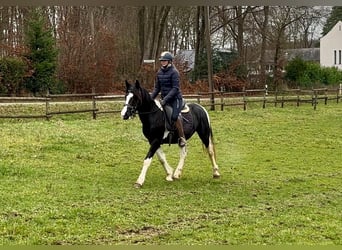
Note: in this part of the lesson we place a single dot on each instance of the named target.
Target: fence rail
(212, 99)
(265, 96)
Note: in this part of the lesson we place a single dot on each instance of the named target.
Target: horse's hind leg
(163, 161)
(180, 165)
(212, 156)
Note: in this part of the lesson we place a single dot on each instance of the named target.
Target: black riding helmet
(166, 56)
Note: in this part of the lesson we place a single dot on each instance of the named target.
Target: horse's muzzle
(125, 117)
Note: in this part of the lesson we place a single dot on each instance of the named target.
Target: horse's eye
(132, 101)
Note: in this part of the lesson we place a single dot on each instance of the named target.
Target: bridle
(134, 108)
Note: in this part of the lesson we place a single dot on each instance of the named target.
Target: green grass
(70, 181)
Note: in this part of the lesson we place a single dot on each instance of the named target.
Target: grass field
(70, 181)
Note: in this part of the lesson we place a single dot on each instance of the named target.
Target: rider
(168, 84)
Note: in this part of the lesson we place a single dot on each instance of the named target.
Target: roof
(306, 54)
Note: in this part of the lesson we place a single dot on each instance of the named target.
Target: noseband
(133, 108)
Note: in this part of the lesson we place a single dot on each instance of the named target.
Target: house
(331, 47)
(306, 54)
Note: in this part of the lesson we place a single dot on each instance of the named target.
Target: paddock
(69, 181)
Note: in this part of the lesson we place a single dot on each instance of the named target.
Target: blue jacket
(168, 84)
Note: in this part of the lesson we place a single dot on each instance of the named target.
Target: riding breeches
(176, 109)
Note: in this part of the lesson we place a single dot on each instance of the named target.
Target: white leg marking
(162, 158)
(141, 179)
(212, 157)
(179, 169)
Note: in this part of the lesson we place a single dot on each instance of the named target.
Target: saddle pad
(185, 108)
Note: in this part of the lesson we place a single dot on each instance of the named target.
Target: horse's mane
(145, 94)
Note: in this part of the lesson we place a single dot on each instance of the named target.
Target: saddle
(184, 114)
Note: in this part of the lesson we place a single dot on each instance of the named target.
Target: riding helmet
(166, 56)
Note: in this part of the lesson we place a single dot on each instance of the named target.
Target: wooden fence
(207, 99)
(93, 98)
(297, 96)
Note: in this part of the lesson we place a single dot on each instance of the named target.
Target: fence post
(94, 103)
(222, 104)
(265, 94)
(47, 104)
(339, 93)
(244, 99)
(326, 96)
(315, 99)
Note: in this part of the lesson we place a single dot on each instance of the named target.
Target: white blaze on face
(128, 98)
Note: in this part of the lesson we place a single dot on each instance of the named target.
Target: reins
(147, 113)
(135, 111)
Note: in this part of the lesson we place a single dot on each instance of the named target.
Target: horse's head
(133, 100)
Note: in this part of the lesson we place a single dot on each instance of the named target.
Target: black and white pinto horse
(153, 119)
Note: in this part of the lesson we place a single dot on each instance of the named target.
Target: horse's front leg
(179, 169)
(163, 161)
(147, 162)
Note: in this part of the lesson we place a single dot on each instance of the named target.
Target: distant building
(306, 54)
(331, 47)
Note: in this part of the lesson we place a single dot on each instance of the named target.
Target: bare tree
(282, 18)
(262, 23)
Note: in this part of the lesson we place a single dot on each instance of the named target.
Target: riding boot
(179, 126)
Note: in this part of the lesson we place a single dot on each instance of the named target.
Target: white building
(331, 47)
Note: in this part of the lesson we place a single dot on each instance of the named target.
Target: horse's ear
(137, 84)
(127, 84)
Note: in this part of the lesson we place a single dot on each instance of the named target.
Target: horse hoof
(169, 178)
(216, 176)
(137, 185)
(176, 177)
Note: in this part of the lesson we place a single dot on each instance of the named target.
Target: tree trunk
(199, 45)
(209, 56)
(141, 38)
(263, 46)
(165, 13)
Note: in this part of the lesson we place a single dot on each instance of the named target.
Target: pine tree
(335, 16)
(42, 54)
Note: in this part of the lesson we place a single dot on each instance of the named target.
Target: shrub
(12, 72)
(330, 75)
(295, 70)
(310, 74)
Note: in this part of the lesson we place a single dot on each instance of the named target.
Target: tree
(199, 44)
(263, 27)
(151, 29)
(42, 54)
(335, 16)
